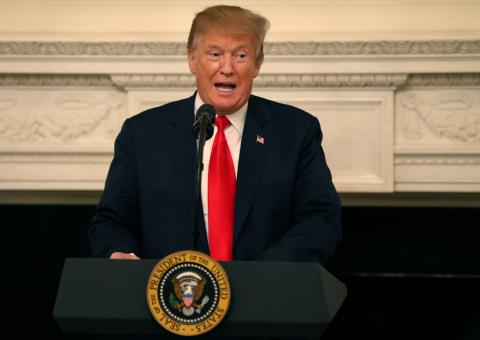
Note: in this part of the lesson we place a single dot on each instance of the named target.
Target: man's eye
(241, 56)
(214, 55)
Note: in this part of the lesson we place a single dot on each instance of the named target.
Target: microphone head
(205, 116)
(207, 109)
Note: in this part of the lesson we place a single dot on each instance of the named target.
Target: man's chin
(226, 107)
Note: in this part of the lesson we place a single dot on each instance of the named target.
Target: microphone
(202, 130)
(204, 122)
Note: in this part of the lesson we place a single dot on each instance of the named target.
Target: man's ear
(256, 70)
(192, 62)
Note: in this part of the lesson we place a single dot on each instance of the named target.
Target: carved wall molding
(444, 172)
(331, 80)
(437, 160)
(268, 80)
(61, 80)
(54, 158)
(153, 80)
(326, 48)
(81, 48)
(264, 80)
(383, 47)
(444, 79)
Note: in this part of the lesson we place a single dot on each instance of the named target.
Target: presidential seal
(188, 293)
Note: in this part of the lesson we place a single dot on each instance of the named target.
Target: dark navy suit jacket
(286, 207)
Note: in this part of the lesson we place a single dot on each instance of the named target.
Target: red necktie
(221, 195)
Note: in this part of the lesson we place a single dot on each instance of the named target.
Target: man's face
(224, 65)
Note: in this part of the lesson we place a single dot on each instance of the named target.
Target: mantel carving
(450, 115)
(153, 80)
(399, 47)
(268, 80)
(60, 80)
(63, 119)
(80, 48)
(346, 48)
(55, 158)
(62, 104)
(264, 80)
(438, 160)
(331, 80)
(456, 79)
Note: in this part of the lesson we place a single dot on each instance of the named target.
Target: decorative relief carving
(384, 47)
(79, 80)
(331, 80)
(153, 80)
(399, 47)
(71, 116)
(277, 80)
(188, 80)
(268, 80)
(456, 79)
(449, 115)
(74, 48)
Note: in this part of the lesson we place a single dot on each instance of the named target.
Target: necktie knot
(222, 122)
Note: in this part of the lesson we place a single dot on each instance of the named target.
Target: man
(271, 197)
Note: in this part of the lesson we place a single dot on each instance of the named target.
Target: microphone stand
(202, 137)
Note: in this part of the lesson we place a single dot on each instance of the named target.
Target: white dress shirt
(233, 134)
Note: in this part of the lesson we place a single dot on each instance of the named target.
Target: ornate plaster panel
(438, 118)
(59, 118)
(438, 133)
(54, 138)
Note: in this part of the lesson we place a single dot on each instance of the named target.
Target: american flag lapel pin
(260, 139)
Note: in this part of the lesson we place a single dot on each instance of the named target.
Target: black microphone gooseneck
(202, 130)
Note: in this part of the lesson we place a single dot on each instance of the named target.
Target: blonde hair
(230, 19)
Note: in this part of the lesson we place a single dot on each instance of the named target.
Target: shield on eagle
(187, 299)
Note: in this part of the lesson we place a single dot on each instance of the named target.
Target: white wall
(300, 18)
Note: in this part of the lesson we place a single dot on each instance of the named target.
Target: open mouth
(225, 86)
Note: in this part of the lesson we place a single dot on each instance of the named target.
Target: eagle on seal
(188, 287)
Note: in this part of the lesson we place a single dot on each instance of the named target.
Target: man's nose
(227, 67)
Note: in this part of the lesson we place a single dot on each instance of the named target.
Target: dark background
(411, 272)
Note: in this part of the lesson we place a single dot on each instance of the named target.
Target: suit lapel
(251, 160)
(183, 149)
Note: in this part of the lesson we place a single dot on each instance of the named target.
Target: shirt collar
(237, 119)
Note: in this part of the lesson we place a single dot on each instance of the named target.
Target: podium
(269, 299)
